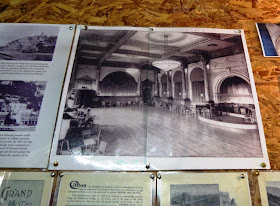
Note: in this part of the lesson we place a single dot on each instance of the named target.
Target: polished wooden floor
(158, 133)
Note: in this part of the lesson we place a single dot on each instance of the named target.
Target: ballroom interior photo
(159, 93)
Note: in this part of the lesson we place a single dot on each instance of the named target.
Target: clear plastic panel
(204, 189)
(102, 120)
(26, 188)
(107, 188)
(205, 114)
(33, 61)
(159, 98)
(266, 187)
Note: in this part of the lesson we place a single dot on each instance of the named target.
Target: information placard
(269, 186)
(106, 189)
(203, 189)
(33, 61)
(25, 188)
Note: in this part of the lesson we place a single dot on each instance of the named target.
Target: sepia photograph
(20, 103)
(203, 189)
(28, 42)
(273, 192)
(199, 195)
(159, 94)
(269, 35)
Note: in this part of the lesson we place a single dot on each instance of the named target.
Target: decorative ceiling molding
(113, 47)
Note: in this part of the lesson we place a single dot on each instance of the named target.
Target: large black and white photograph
(159, 94)
(199, 195)
(273, 192)
(269, 35)
(27, 42)
(20, 104)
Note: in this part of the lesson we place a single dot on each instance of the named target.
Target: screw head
(71, 28)
(159, 176)
(151, 29)
(239, 31)
(242, 176)
(263, 165)
(55, 163)
(152, 176)
(148, 166)
(85, 27)
(257, 173)
(52, 174)
(61, 174)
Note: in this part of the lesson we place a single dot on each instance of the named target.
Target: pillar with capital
(184, 92)
(160, 87)
(189, 85)
(172, 85)
(97, 80)
(206, 83)
(156, 83)
(168, 85)
(139, 84)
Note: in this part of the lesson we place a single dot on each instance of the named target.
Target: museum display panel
(159, 98)
(269, 187)
(203, 189)
(33, 61)
(25, 188)
(107, 188)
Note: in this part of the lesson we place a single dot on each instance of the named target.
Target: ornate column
(184, 93)
(139, 84)
(172, 86)
(206, 85)
(189, 86)
(156, 83)
(168, 85)
(160, 87)
(97, 79)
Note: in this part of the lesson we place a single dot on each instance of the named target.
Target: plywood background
(230, 14)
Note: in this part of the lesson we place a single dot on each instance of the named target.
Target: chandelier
(166, 64)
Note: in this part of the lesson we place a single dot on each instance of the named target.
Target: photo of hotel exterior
(20, 104)
(157, 94)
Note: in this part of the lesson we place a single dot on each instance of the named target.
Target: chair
(101, 149)
(103, 104)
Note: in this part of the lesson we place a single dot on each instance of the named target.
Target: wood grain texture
(230, 14)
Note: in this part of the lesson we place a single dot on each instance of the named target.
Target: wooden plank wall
(229, 14)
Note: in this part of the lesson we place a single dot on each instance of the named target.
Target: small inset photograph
(27, 42)
(273, 193)
(270, 39)
(199, 195)
(20, 104)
